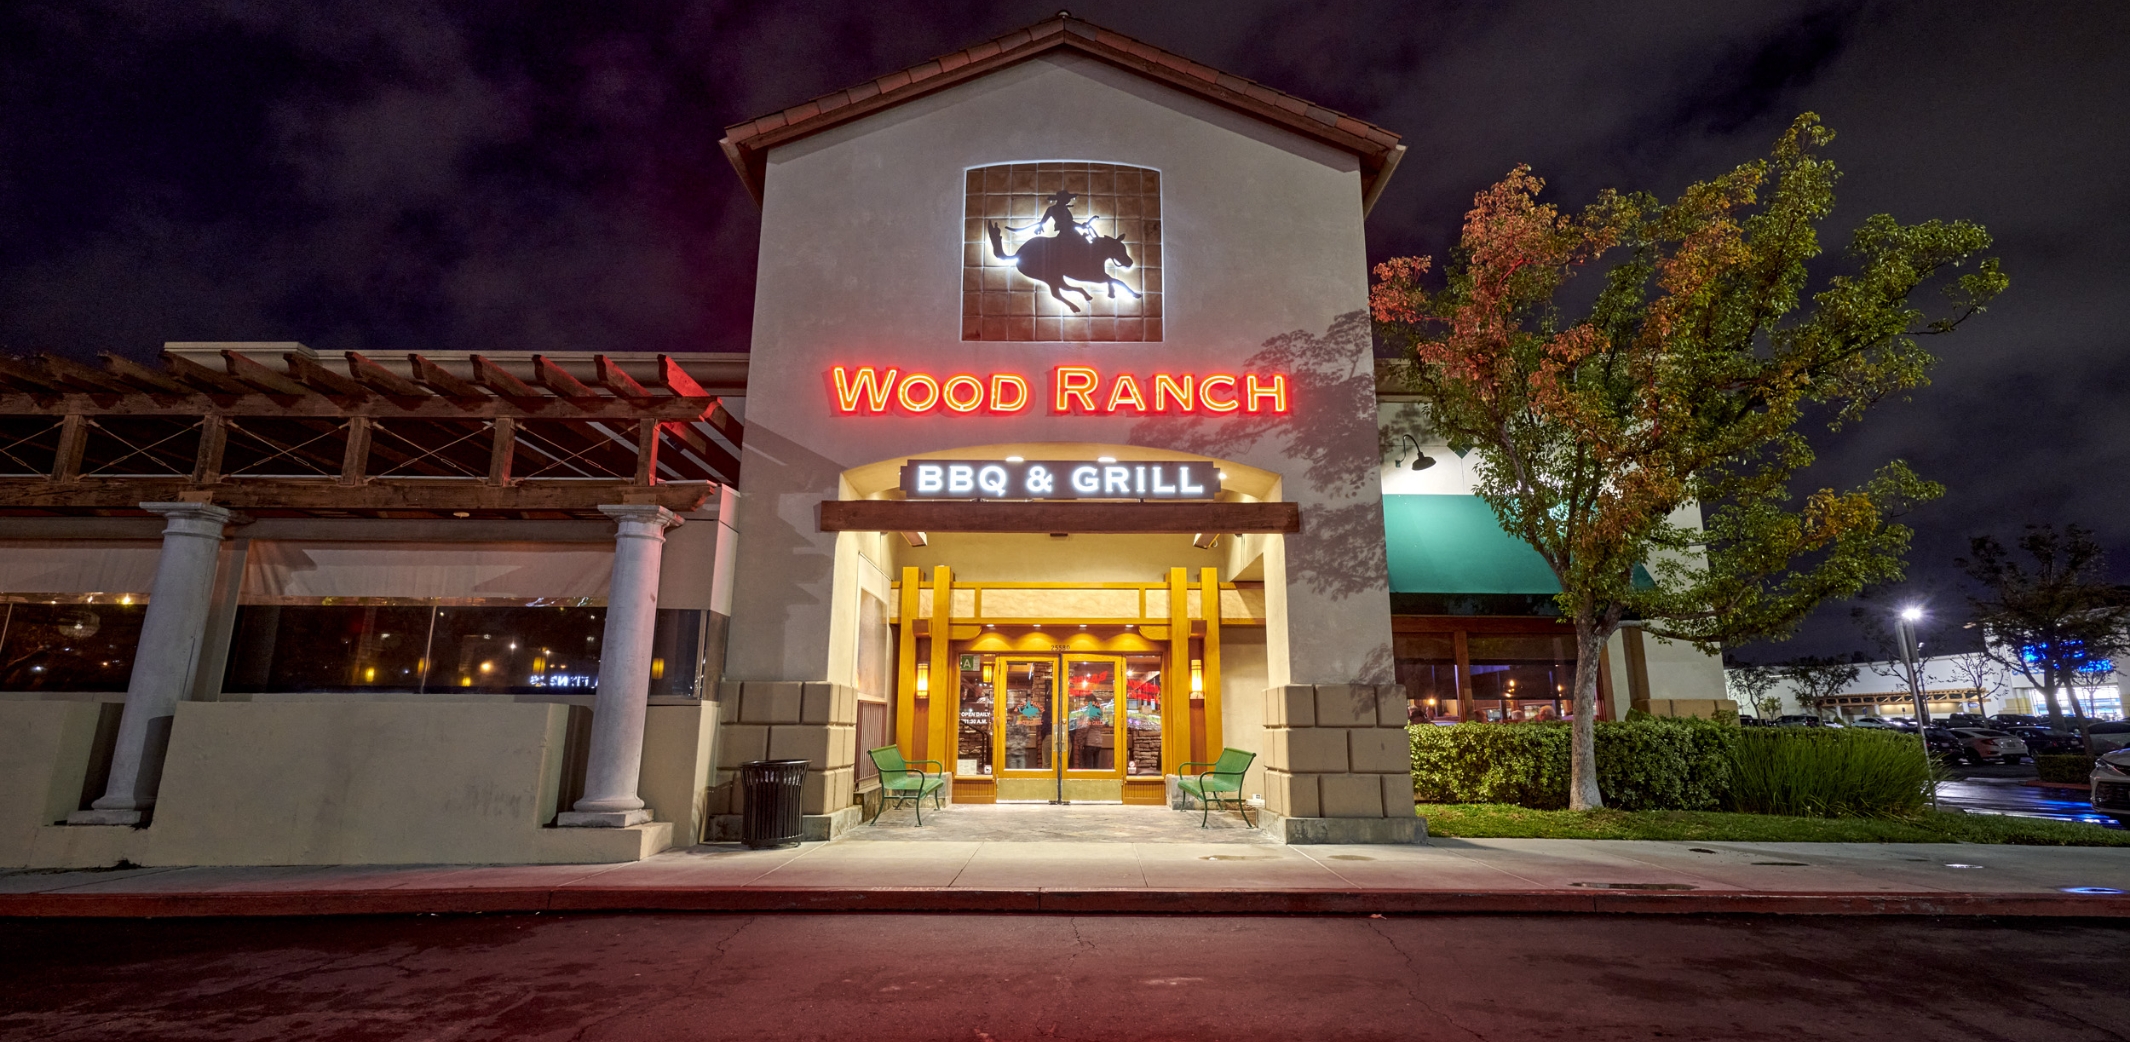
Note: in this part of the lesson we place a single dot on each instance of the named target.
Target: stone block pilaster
(1338, 767)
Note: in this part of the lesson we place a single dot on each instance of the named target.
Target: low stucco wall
(44, 753)
(316, 783)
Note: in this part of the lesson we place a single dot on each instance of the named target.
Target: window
(1142, 715)
(512, 648)
(70, 643)
(1485, 670)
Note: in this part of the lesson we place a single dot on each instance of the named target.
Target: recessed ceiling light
(1105, 459)
(1015, 459)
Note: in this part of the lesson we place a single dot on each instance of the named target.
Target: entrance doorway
(1060, 727)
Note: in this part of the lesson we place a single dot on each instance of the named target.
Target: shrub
(1810, 772)
(2065, 767)
(1649, 764)
(1676, 764)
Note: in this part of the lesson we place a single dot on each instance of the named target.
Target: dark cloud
(394, 174)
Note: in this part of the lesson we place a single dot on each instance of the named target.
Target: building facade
(1066, 465)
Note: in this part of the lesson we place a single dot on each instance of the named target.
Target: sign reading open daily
(1059, 479)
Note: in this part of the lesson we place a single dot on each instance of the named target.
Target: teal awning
(1454, 544)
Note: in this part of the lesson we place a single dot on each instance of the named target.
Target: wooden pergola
(423, 439)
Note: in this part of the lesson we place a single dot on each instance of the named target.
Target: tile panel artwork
(999, 302)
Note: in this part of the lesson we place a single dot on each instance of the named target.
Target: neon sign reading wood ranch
(1074, 389)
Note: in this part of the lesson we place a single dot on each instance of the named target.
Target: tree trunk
(1583, 793)
(2048, 694)
(2078, 712)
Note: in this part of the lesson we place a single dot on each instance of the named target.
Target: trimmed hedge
(1675, 764)
(2065, 767)
(1657, 764)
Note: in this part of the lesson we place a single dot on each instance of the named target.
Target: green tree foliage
(1684, 383)
(2054, 623)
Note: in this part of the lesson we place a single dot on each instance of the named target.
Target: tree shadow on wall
(1329, 430)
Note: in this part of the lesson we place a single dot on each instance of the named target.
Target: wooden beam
(724, 463)
(143, 378)
(647, 452)
(355, 458)
(207, 464)
(557, 379)
(497, 379)
(443, 380)
(74, 375)
(201, 378)
(723, 423)
(889, 515)
(253, 402)
(327, 494)
(617, 381)
(502, 450)
(73, 438)
(677, 379)
(383, 379)
(261, 377)
(21, 374)
(323, 380)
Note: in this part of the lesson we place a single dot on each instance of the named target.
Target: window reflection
(414, 647)
(76, 643)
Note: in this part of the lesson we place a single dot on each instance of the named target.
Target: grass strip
(1507, 821)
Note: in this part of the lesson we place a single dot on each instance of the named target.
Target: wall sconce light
(987, 672)
(924, 680)
(1198, 678)
(1421, 460)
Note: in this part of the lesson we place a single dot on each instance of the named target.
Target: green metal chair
(900, 781)
(1226, 777)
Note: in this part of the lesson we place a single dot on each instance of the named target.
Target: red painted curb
(463, 901)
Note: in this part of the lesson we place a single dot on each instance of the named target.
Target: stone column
(610, 799)
(164, 662)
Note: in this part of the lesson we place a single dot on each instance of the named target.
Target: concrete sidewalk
(960, 862)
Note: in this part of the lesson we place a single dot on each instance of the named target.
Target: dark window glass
(69, 647)
(1426, 666)
(328, 647)
(516, 650)
(1520, 678)
(678, 641)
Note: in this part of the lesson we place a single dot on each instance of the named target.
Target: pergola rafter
(419, 439)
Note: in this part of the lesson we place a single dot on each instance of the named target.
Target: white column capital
(203, 519)
(641, 519)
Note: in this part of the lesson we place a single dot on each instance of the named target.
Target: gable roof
(747, 144)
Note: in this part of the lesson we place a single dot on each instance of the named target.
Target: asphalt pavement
(884, 978)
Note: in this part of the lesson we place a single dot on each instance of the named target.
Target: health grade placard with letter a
(1059, 479)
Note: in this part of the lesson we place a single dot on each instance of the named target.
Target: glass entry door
(1058, 716)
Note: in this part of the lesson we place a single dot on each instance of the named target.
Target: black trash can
(769, 794)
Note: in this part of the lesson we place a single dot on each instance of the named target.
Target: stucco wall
(861, 265)
(371, 783)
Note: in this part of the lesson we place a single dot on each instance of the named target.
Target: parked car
(1942, 744)
(2044, 741)
(1871, 723)
(2110, 735)
(1983, 745)
(2111, 785)
(2019, 720)
(1965, 720)
(1798, 720)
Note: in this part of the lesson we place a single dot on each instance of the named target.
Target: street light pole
(1905, 631)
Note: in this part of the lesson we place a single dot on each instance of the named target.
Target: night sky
(392, 176)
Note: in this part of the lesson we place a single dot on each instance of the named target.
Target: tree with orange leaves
(1661, 428)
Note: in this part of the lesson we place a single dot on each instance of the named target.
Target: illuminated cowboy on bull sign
(1071, 253)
